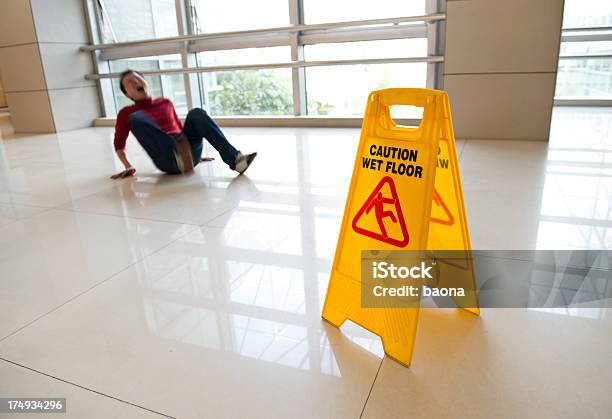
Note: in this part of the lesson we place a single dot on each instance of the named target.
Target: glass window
(325, 11)
(332, 90)
(581, 78)
(343, 90)
(173, 85)
(170, 86)
(587, 14)
(586, 48)
(248, 92)
(246, 56)
(585, 79)
(123, 21)
(235, 15)
(416, 47)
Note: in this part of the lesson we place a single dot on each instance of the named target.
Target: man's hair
(126, 73)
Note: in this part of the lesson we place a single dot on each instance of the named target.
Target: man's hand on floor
(130, 171)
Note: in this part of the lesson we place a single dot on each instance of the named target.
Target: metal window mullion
(153, 18)
(298, 74)
(103, 12)
(163, 81)
(435, 44)
(198, 83)
(183, 26)
(106, 98)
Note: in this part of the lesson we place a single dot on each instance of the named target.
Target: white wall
(42, 67)
(500, 67)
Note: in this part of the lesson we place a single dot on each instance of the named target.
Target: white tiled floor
(200, 295)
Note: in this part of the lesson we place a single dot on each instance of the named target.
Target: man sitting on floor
(174, 148)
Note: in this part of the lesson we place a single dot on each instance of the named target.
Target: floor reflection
(253, 280)
(576, 211)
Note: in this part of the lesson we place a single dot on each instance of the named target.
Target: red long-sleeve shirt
(160, 110)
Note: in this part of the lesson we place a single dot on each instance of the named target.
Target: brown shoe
(184, 158)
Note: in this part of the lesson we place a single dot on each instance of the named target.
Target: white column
(42, 67)
(501, 66)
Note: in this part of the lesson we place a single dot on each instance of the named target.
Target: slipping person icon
(379, 210)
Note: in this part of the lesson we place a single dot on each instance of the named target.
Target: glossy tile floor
(200, 296)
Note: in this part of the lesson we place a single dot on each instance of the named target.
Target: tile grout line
(207, 222)
(58, 206)
(89, 195)
(372, 387)
(71, 201)
(29, 217)
(16, 204)
(79, 211)
(61, 207)
(98, 284)
(84, 388)
(204, 224)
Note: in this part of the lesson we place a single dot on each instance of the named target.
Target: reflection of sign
(374, 208)
(447, 218)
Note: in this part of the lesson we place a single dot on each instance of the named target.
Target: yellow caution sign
(405, 194)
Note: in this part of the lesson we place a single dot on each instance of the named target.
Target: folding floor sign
(405, 194)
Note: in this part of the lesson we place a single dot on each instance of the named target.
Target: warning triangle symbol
(447, 218)
(384, 213)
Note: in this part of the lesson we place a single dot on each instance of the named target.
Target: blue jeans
(161, 146)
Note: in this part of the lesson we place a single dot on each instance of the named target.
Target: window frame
(584, 34)
(296, 36)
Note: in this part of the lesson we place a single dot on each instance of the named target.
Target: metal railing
(596, 34)
(317, 29)
(291, 64)
(269, 31)
(585, 57)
